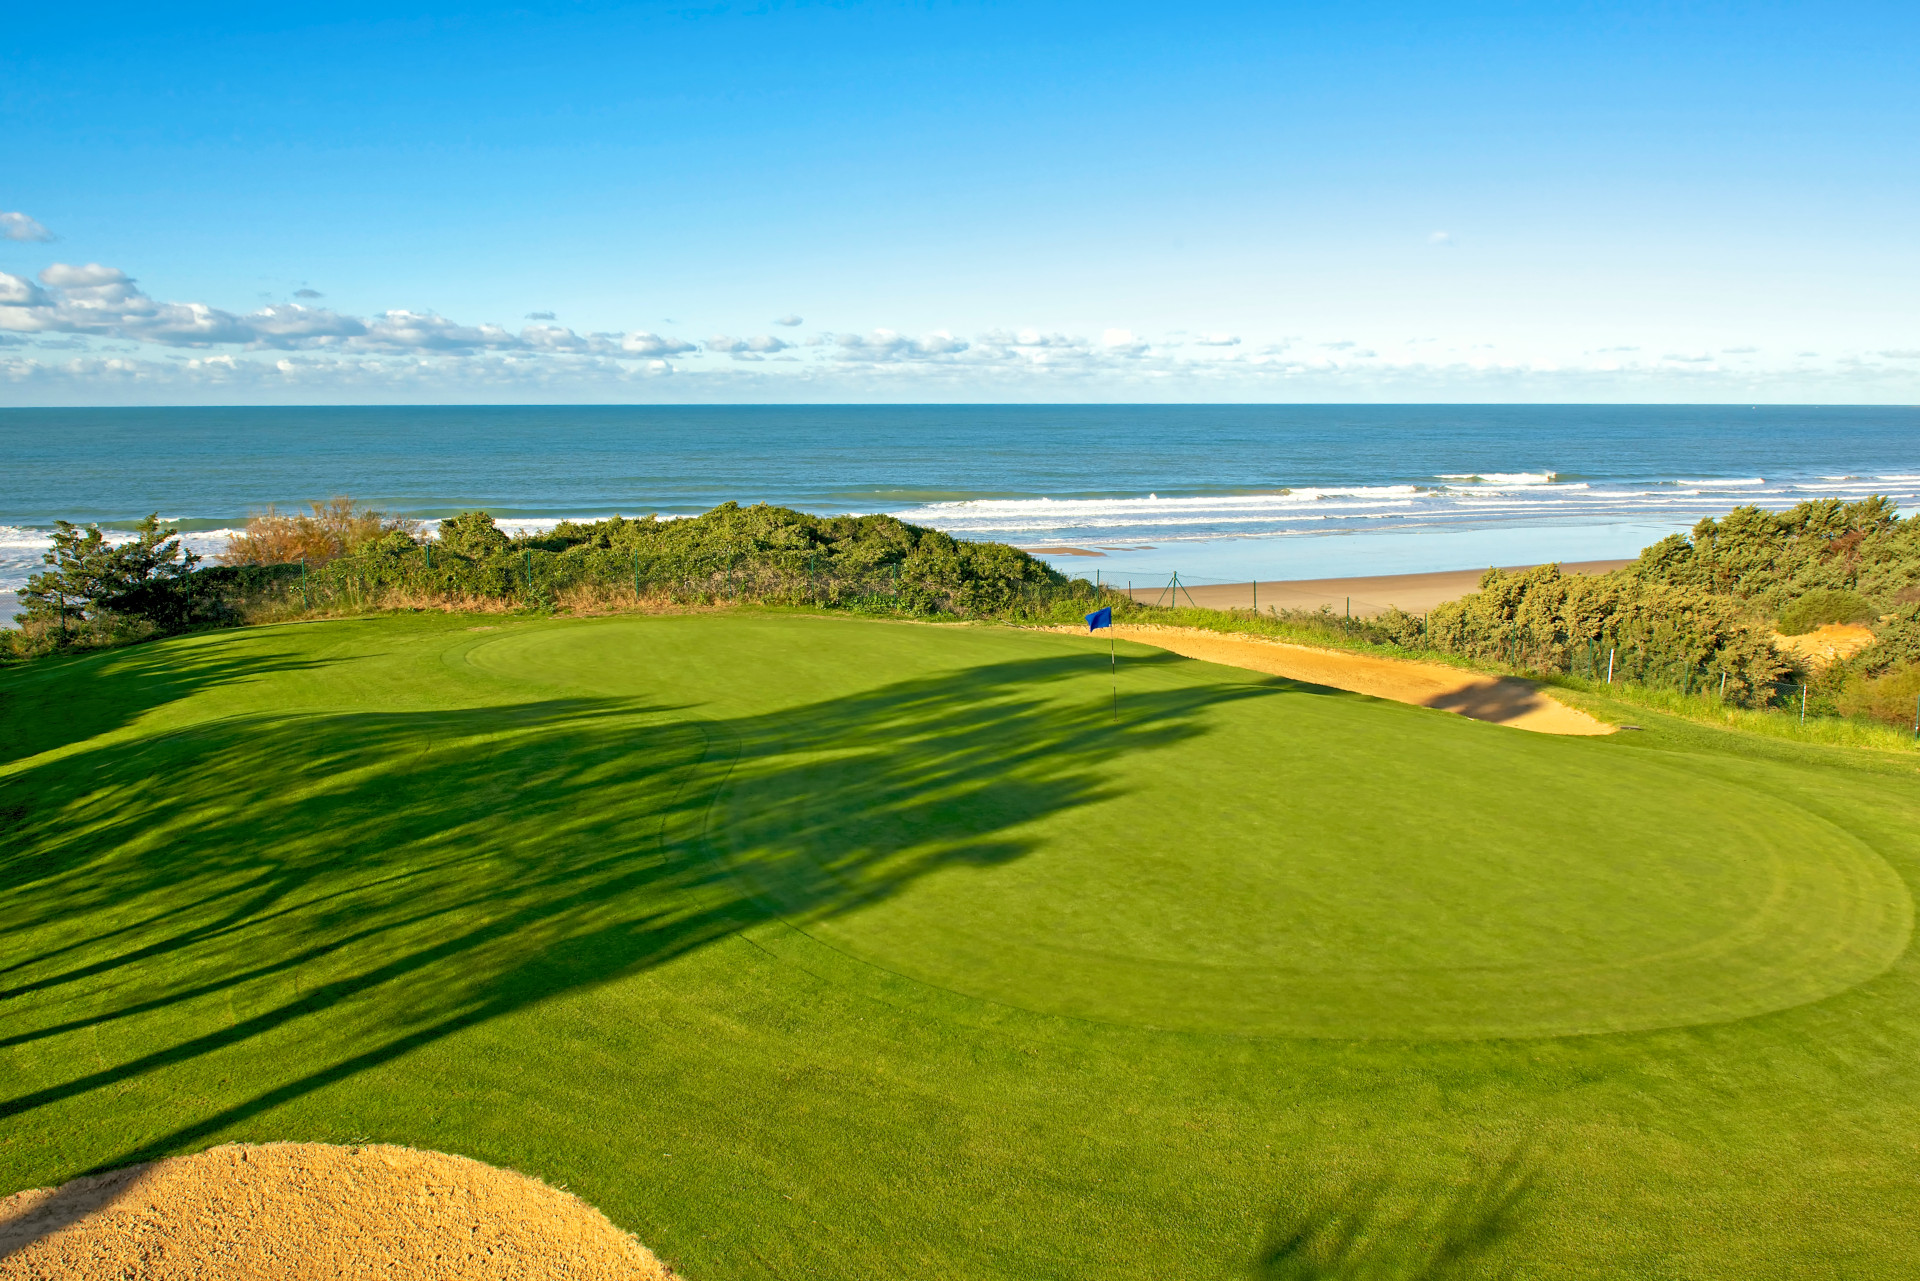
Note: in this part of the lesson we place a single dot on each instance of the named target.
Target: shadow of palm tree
(362, 884)
(1383, 1230)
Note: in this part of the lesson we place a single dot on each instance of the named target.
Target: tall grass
(1774, 722)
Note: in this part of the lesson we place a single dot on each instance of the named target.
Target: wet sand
(1363, 597)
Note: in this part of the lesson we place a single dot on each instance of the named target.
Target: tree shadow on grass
(297, 899)
(1387, 1230)
(52, 702)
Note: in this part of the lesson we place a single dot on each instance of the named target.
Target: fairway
(706, 913)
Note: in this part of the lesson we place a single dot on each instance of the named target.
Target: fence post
(1610, 653)
(1916, 715)
(1803, 702)
(636, 576)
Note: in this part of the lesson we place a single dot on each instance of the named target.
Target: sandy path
(1501, 700)
(281, 1211)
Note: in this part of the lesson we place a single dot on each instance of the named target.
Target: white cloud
(104, 302)
(887, 346)
(1440, 237)
(15, 291)
(17, 226)
(560, 338)
(789, 320)
(429, 331)
(747, 348)
(1032, 338)
(642, 343)
(291, 325)
(100, 321)
(92, 285)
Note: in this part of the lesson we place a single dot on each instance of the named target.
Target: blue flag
(1102, 617)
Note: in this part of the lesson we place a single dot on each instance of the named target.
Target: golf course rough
(858, 949)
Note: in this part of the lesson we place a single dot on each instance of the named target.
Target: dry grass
(581, 602)
(329, 529)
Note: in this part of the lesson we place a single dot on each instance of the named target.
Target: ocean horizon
(1217, 492)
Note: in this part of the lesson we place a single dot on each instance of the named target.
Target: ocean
(1216, 492)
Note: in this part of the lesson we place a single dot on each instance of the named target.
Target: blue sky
(959, 202)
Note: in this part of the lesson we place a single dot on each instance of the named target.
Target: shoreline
(1361, 595)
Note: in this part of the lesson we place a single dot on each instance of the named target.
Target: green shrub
(471, 534)
(1824, 605)
(1890, 698)
(1654, 633)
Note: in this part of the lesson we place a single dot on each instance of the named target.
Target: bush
(334, 528)
(1545, 621)
(1822, 606)
(1890, 698)
(471, 534)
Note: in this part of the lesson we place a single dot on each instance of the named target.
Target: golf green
(811, 945)
(1239, 854)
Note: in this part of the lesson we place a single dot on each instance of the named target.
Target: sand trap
(1501, 700)
(246, 1212)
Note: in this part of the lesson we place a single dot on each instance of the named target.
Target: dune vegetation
(815, 944)
(1701, 614)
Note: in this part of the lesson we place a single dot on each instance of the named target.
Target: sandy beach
(1363, 597)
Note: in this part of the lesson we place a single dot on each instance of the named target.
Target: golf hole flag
(1102, 617)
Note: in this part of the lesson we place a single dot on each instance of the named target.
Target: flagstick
(1113, 660)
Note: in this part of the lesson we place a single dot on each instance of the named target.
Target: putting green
(1237, 854)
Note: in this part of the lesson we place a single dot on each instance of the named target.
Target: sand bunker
(267, 1212)
(1501, 700)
